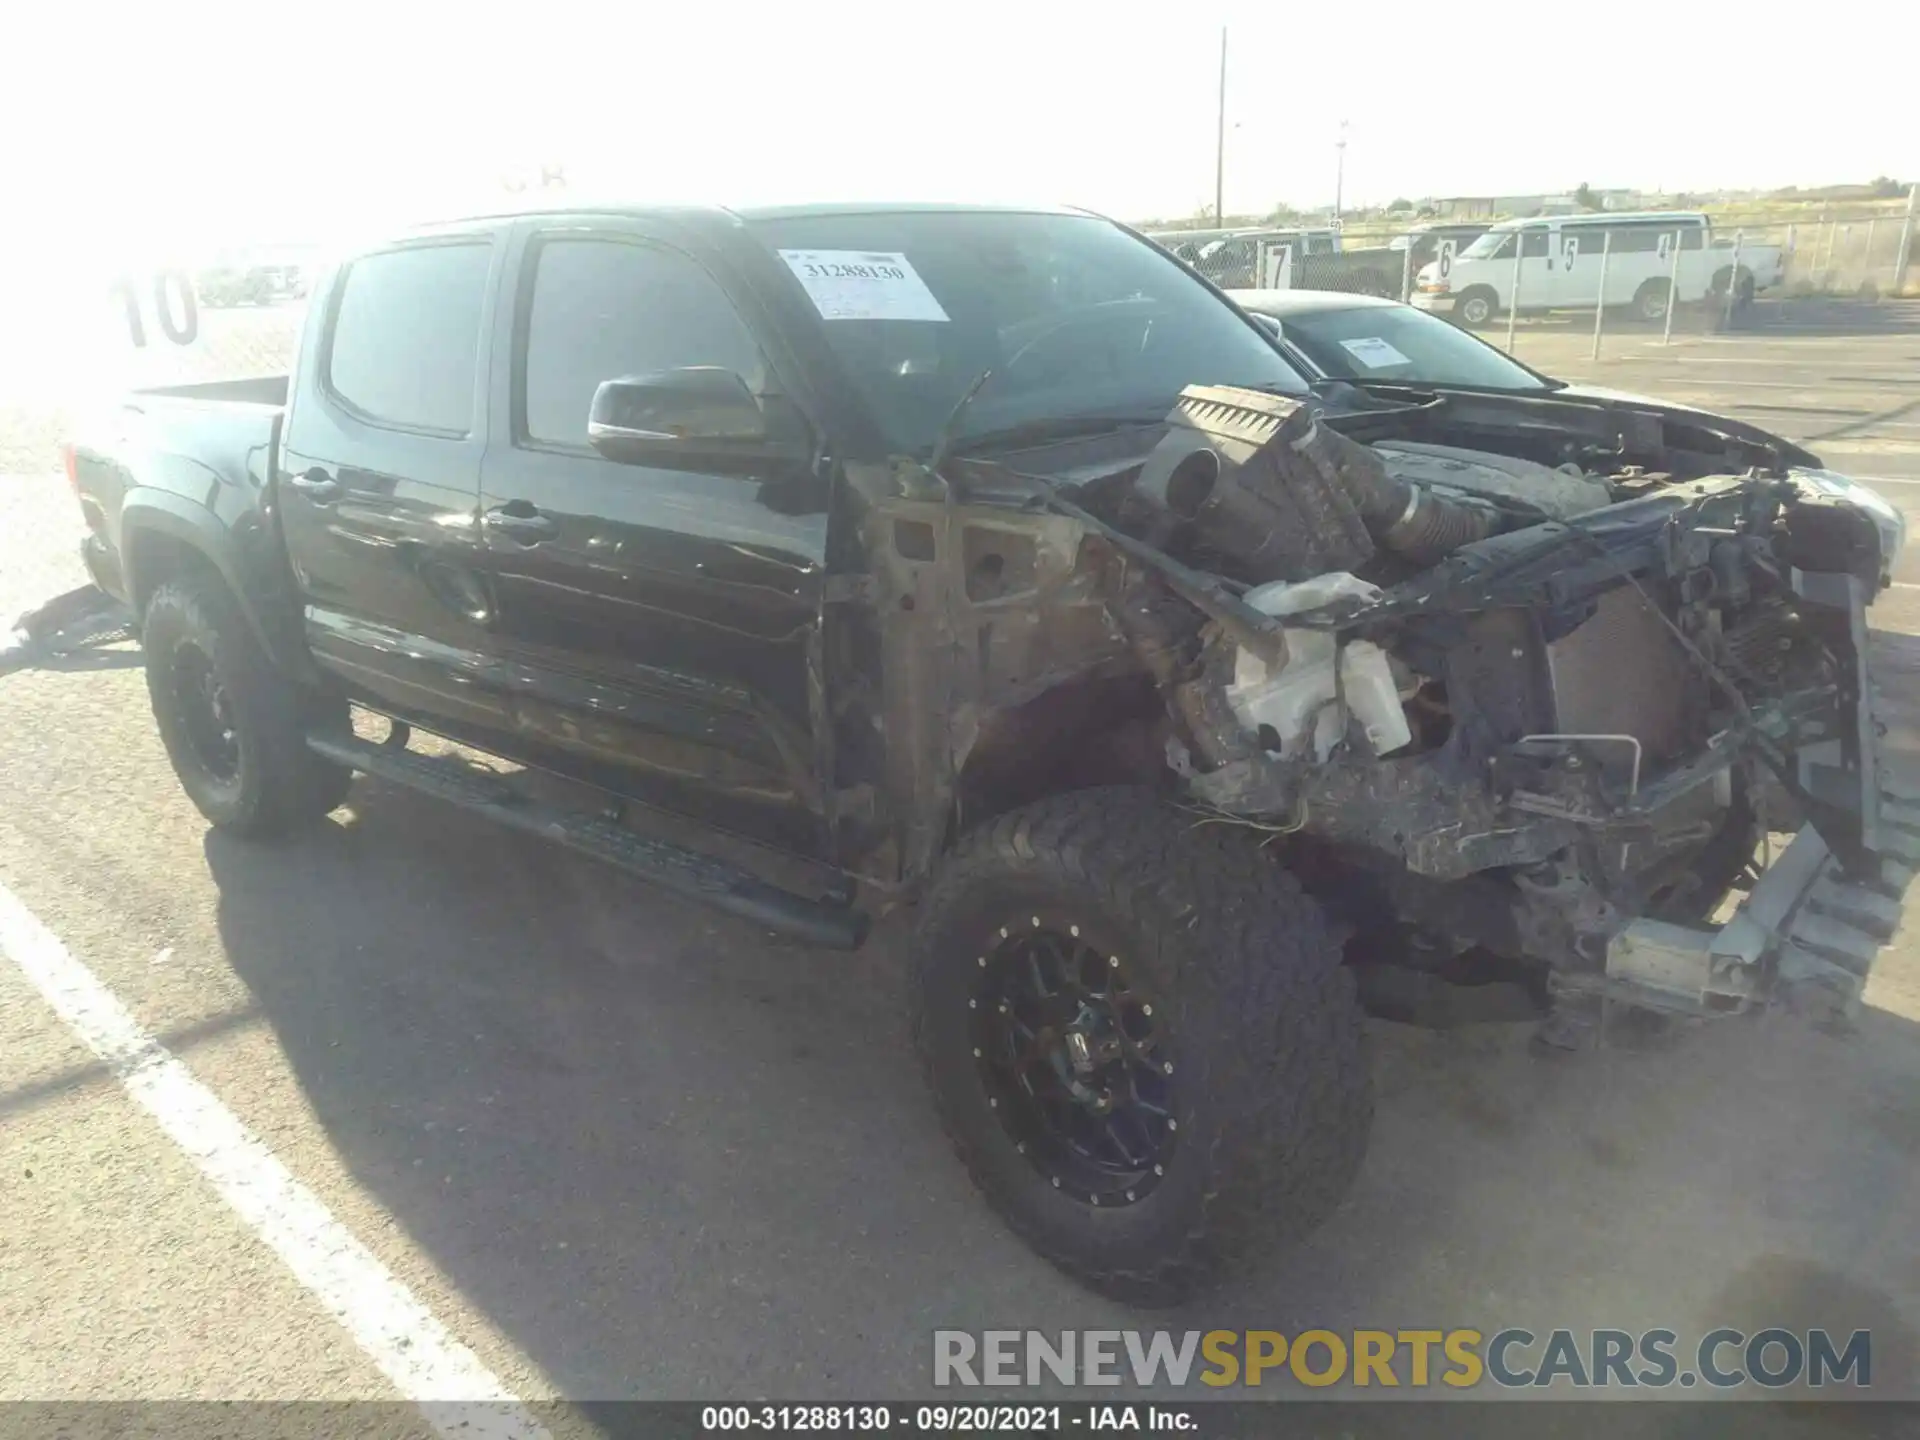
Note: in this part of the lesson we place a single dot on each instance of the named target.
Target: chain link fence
(1642, 276)
(1865, 250)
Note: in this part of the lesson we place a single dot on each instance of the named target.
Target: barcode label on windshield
(863, 285)
(1374, 353)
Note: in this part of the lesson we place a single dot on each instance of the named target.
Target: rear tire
(234, 726)
(1743, 286)
(1215, 961)
(1477, 307)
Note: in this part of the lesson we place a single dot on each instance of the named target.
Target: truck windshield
(1075, 318)
(1394, 342)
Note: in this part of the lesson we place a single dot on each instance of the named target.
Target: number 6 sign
(1446, 258)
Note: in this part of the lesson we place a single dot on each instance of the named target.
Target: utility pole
(1339, 170)
(1906, 241)
(1220, 141)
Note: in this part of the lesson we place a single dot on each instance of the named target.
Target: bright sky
(133, 134)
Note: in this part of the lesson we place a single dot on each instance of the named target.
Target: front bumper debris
(1804, 939)
(77, 620)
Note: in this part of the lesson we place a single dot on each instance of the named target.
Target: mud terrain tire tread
(281, 784)
(1263, 1017)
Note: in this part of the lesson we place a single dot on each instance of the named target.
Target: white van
(1558, 266)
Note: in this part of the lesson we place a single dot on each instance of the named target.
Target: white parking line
(457, 1393)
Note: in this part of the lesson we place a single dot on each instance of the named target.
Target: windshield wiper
(1053, 427)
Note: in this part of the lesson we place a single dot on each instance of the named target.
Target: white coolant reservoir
(1297, 700)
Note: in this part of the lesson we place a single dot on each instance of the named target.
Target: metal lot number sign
(174, 307)
(1445, 261)
(1570, 251)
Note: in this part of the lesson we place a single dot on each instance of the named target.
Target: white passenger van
(1559, 265)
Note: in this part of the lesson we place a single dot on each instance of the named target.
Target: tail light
(72, 464)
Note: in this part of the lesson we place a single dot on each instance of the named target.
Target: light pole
(1220, 141)
(1339, 170)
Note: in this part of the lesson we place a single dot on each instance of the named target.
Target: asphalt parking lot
(620, 1147)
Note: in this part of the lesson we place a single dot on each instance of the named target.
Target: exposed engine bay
(1518, 706)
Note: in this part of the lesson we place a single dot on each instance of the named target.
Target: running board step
(672, 867)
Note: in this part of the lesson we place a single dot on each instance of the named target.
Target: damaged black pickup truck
(993, 561)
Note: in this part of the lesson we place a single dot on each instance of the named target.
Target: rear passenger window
(603, 309)
(1533, 244)
(406, 335)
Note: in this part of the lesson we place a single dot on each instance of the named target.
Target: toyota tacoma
(992, 562)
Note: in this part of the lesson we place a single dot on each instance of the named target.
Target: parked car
(1388, 347)
(973, 558)
(1315, 257)
(1425, 241)
(1559, 266)
(220, 287)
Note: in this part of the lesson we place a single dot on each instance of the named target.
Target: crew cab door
(378, 481)
(660, 627)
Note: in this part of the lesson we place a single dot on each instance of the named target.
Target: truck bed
(203, 452)
(253, 390)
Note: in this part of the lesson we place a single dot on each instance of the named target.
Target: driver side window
(603, 308)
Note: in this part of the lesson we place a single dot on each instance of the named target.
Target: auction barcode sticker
(863, 285)
(1374, 353)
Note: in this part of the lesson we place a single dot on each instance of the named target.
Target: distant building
(1491, 207)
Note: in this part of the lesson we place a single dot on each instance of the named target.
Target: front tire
(1141, 1040)
(1477, 307)
(1650, 301)
(234, 726)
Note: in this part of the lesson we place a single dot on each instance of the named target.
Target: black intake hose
(1263, 483)
(1402, 516)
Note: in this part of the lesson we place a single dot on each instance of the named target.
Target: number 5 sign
(1570, 251)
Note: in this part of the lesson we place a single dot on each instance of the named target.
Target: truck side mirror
(696, 417)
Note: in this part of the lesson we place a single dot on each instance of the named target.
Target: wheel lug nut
(976, 1052)
(1056, 1182)
(1146, 1009)
(1159, 1170)
(1171, 1124)
(992, 1104)
(973, 1004)
(1074, 930)
(1129, 1194)
(1167, 1069)
(983, 962)
(1113, 962)
(1003, 932)
(1094, 1198)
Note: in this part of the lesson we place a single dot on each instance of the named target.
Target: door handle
(519, 521)
(317, 485)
